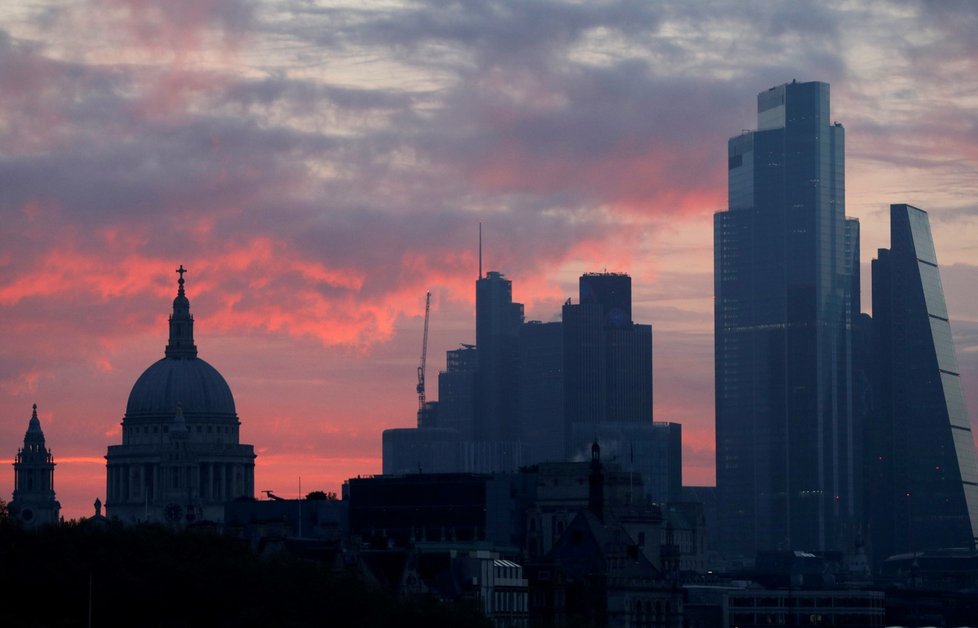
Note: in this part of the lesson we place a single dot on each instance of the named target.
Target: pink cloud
(315, 208)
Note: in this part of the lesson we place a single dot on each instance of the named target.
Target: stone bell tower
(34, 503)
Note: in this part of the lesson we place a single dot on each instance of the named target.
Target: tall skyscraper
(497, 328)
(922, 457)
(784, 259)
(607, 360)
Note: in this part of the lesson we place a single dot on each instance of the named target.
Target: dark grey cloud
(523, 129)
(272, 141)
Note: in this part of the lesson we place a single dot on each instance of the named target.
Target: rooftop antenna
(480, 250)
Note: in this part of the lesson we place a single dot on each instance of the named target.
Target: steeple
(181, 345)
(33, 502)
(34, 438)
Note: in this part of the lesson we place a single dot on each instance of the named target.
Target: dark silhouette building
(400, 510)
(34, 503)
(457, 391)
(785, 262)
(537, 392)
(607, 360)
(613, 292)
(180, 459)
(541, 391)
(497, 328)
(421, 450)
(924, 494)
(600, 570)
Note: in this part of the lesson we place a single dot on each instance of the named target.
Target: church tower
(34, 502)
(180, 459)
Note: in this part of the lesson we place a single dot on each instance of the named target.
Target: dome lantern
(181, 344)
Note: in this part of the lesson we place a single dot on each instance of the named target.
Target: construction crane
(424, 359)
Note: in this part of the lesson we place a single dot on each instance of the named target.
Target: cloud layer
(319, 166)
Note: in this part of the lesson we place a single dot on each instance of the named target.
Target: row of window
(221, 429)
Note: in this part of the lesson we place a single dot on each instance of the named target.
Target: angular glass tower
(924, 492)
(785, 259)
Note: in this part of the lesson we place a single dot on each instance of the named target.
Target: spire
(34, 433)
(35, 423)
(181, 345)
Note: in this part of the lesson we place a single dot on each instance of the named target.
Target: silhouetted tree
(322, 495)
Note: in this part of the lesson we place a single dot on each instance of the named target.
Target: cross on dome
(180, 281)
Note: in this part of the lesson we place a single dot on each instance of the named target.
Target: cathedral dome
(181, 378)
(195, 385)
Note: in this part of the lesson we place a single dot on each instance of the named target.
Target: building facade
(180, 459)
(763, 607)
(457, 391)
(924, 492)
(497, 328)
(784, 259)
(607, 360)
(541, 391)
(34, 502)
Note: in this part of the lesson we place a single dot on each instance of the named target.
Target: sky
(319, 166)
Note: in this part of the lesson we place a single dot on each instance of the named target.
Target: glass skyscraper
(786, 292)
(924, 491)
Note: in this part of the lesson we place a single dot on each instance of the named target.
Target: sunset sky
(318, 166)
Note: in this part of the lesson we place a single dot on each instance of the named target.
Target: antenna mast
(424, 359)
(480, 250)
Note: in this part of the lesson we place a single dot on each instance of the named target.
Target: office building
(924, 493)
(784, 258)
(399, 510)
(607, 360)
(457, 391)
(541, 391)
(537, 392)
(497, 328)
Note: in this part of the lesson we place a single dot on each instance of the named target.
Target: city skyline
(318, 181)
